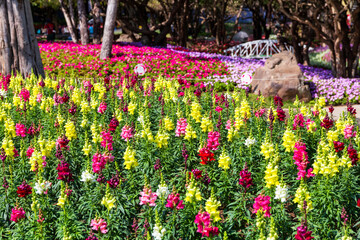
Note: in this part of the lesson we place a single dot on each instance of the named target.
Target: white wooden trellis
(256, 49)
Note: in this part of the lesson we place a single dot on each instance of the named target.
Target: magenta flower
(218, 109)
(262, 203)
(99, 163)
(202, 219)
(107, 140)
(102, 107)
(24, 95)
(17, 214)
(173, 201)
(298, 121)
(213, 140)
(301, 161)
(20, 130)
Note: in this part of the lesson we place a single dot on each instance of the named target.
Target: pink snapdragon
(298, 121)
(99, 225)
(107, 140)
(120, 94)
(126, 133)
(147, 197)
(262, 203)
(213, 140)
(202, 219)
(301, 161)
(29, 152)
(20, 130)
(102, 107)
(24, 95)
(99, 162)
(181, 127)
(260, 112)
(349, 131)
(17, 214)
(173, 201)
(218, 109)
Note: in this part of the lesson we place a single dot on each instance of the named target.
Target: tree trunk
(18, 46)
(108, 36)
(96, 16)
(183, 24)
(69, 22)
(84, 33)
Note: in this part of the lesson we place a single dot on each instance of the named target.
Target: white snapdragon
(87, 177)
(281, 192)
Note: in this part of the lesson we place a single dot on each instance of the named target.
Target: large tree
(328, 19)
(108, 37)
(151, 19)
(84, 32)
(19, 51)
(68, 11)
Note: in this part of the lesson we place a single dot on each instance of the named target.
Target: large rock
(281, 76)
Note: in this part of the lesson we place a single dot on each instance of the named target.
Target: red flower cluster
(278, 101)
(280, 114)
(206, 155)
(24, 189)
(327, 123)
(303, 233)
(339, 146)
(353, 155)
(114, 123)
(64, 173)
(245, 178)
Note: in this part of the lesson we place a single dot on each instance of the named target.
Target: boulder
(281, 76)
(127, 38)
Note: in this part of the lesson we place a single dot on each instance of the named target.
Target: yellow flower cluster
(131, 108)
(95, 132)
(192, 193)
(196, 111)
(87, 148)
(70, 130)
(289, 140)
(206, 125)
(168, 124)
(267, 149)
(8, 147)
(46, 146)
(271, 175)
(161, 139)
(302, 195)
(224, 161)
(332, 136)
(10, 127)
(36, 161)
(101, 89)
(130, 160)
(245, 110)
(147, 134)
(190, 133)
(232, 133)
(211, 206)
(108, 201)
(327, 161)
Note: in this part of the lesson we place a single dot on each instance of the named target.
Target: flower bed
(142, 159)
(68, 59)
